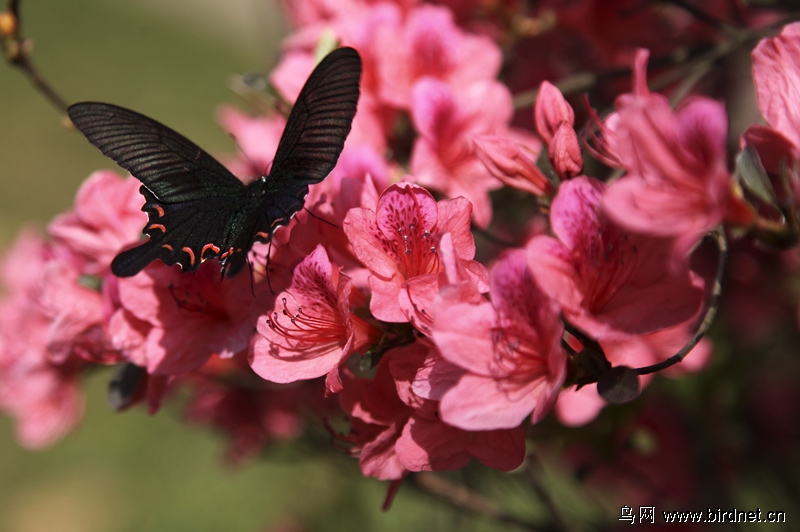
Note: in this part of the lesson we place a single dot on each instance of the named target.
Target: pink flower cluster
(375, 307)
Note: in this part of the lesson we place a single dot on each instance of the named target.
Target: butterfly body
(197, 210)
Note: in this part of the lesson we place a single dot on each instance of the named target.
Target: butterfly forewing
(196, 208)
(320, 120)
(174, 168)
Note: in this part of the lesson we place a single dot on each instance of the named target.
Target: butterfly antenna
(321, 219)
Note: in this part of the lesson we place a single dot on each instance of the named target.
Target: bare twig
(722, 244)
(694, 67)
(464, 499)
(703, 16)
(17, 52)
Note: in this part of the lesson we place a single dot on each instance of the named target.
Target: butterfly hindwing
(184, 233)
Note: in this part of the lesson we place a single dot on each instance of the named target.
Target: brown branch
(464, 499)
(702, 16)
(701, 62)
(722, 244)
(17, 52)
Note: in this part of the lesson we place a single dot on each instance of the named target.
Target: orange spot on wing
(159, 210)
(190, 252)
(157, 226)
(167, 246)
(262, 234)
(208, 247)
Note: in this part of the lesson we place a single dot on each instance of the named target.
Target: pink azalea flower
(509, 352)
(251, 418)
(183, 317)
(351, 184)
(256, 137)
(360, 173)
(107, 216)
(443, 157)
(428, 443)
(677, 182)
(77, 316)
(610, 283)
(777, 79)
(392, 437)
(430, 44)
(311, 331)
(551, 111)
(776, 75)
(555, 122)
(377, 420)
(44, 397)
(306, 12)
(512, 163)
(372, 122)
(398, 242)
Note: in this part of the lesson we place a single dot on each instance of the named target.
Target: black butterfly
(197, 209)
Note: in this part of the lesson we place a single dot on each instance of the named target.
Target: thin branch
(722, 245)
(702, 61)
(464, 499)
(703, 16)
(17, 52)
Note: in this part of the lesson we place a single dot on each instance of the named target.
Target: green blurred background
(172, 60)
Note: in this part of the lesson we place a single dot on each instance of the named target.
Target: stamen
(309, 328)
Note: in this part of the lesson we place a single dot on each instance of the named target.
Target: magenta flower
(429, 444)
(308, 12)
(509, 353)
(609, 282)
(359, 174)
(310, 331)
(107, 216)
(429, 43)
(777, 78)
(677, 183)
(250, 418)
(77, 316)
(42, 395)
(777, 75)
(512, 163)
(256, 137)
(555, 122)
(551, 111)
(374, 119)
(447, 120)
(392, 436)
(182, 318)
(377, 420)
(398, 242)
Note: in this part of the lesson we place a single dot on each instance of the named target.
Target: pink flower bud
(550, 111)
(565, 152)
